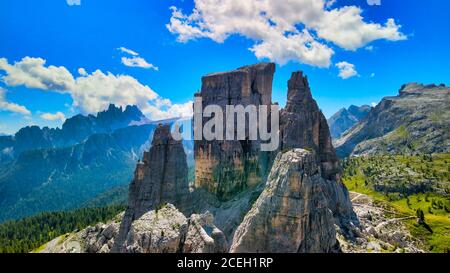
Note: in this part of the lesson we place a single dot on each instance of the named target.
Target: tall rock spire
(302, 125)
(162, 177)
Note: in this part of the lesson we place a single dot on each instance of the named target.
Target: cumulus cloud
(138, 62)
(283, 31)
(92, 92)
(73, 2)
(52, 117)
(11, 107)
(346, 70)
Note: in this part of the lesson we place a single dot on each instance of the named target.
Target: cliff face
(225, 168)
(161, 178)
(293, 213)
(302, 125)
(415, 121)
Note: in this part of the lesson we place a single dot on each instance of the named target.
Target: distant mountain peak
(345, 118)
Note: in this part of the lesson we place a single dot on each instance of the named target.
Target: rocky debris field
(382, 230)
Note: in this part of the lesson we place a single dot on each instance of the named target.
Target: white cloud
(138, 62)
(369, 48)
(275, 27)
(82, 71)
(11, 107)
(372, 75)
(373, 104)
(135, 60)
(346, 70)
(52, 117)
(90, 93)
(32, 73)
(127, 51)
(73, 2)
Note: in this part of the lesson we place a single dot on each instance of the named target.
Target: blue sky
(166, 63)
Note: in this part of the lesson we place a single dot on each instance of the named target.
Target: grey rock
(302, 125)
(293, 212)
(157, 231)
(203, 236)
(168, 231)
(226, 168)
(161, 178)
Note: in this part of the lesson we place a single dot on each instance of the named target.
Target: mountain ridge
(414, 121)
(59, 169)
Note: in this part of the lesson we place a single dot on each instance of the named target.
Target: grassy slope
(435, 206)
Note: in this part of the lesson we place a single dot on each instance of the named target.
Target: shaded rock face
(415, 121)
(345, 119)
(302, 125)
(293, 213)
(161, 178)
(225, 168)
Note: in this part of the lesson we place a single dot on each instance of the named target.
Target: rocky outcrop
(293, 213)
(345, 119)
(382, 229)
(160, 178)
(225, 168)
(203, 236)
(163, 230)
(302, 125)
(157, 231)
(415, 121)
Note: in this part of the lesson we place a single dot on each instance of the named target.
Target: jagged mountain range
(74, 130)
(345, 119)
(59, 169)
(416, 121)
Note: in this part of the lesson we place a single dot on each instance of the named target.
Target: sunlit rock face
(292, 213)
(297, 211)
(226, 167)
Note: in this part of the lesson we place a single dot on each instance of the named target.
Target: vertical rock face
(293, 212)
(161, 178)
(302, 125)
(225, 168)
